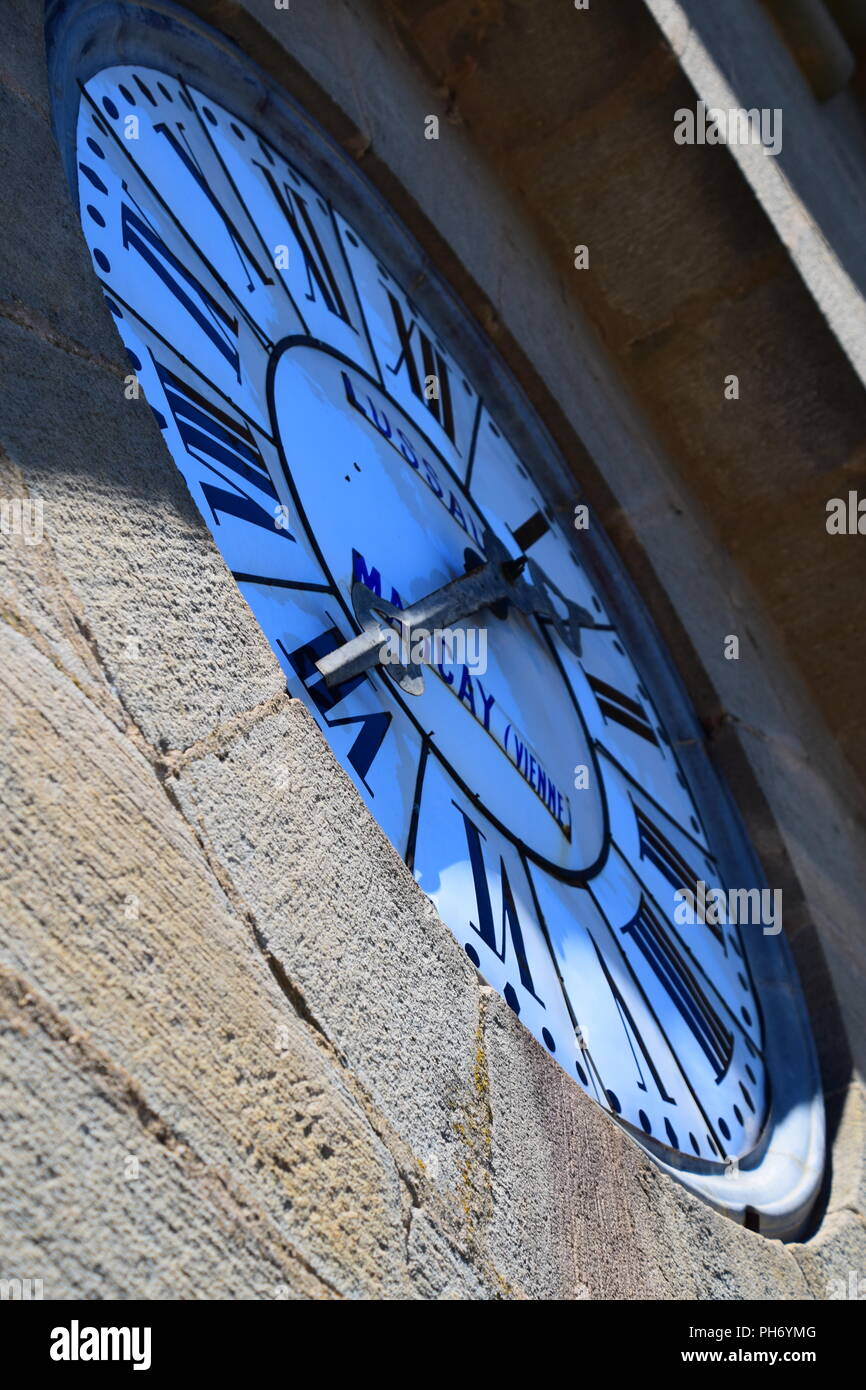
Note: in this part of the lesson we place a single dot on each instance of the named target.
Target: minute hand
(499, 578)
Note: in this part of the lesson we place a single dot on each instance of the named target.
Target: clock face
(340, 450)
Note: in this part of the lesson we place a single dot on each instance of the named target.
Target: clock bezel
(85, 36)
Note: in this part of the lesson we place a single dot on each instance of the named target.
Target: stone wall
(242, 1058)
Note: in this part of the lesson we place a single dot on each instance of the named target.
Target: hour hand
(484, 584)
(498, 579)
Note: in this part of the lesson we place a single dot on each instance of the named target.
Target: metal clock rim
(791, 1060)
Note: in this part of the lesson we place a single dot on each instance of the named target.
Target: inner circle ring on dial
(568, 873)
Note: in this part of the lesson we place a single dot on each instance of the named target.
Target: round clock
(452, 616)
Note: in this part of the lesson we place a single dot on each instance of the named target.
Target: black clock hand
(499, 578)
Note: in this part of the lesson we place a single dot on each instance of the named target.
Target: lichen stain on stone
(473, 1130)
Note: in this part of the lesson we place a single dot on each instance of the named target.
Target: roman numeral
(510, 924)
(320, 275)
(622, 709)
(531, 530)
(671, 968)
(211, 318)
(184, 153)
(373, 727)
(431, 363)
(214, 438)
(655, 847)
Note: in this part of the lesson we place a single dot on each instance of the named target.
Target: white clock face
(330, 438)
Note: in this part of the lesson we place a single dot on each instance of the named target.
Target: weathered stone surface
(739, 478)
(383, 978)
(667, 542)
(702, 1255)
(600, 152)
(834, 1262)
(822, 836)
(46, 275)
(436, 1271)
(808, 579)
(22, 64)
(101, 1200)
(36, 599)
(147, 964)
(813, 189)
(127, 933)
(848, 1189)
(574, 1209)
(177, 642)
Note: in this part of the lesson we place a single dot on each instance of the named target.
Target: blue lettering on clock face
(399, 440)
(471, 691)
